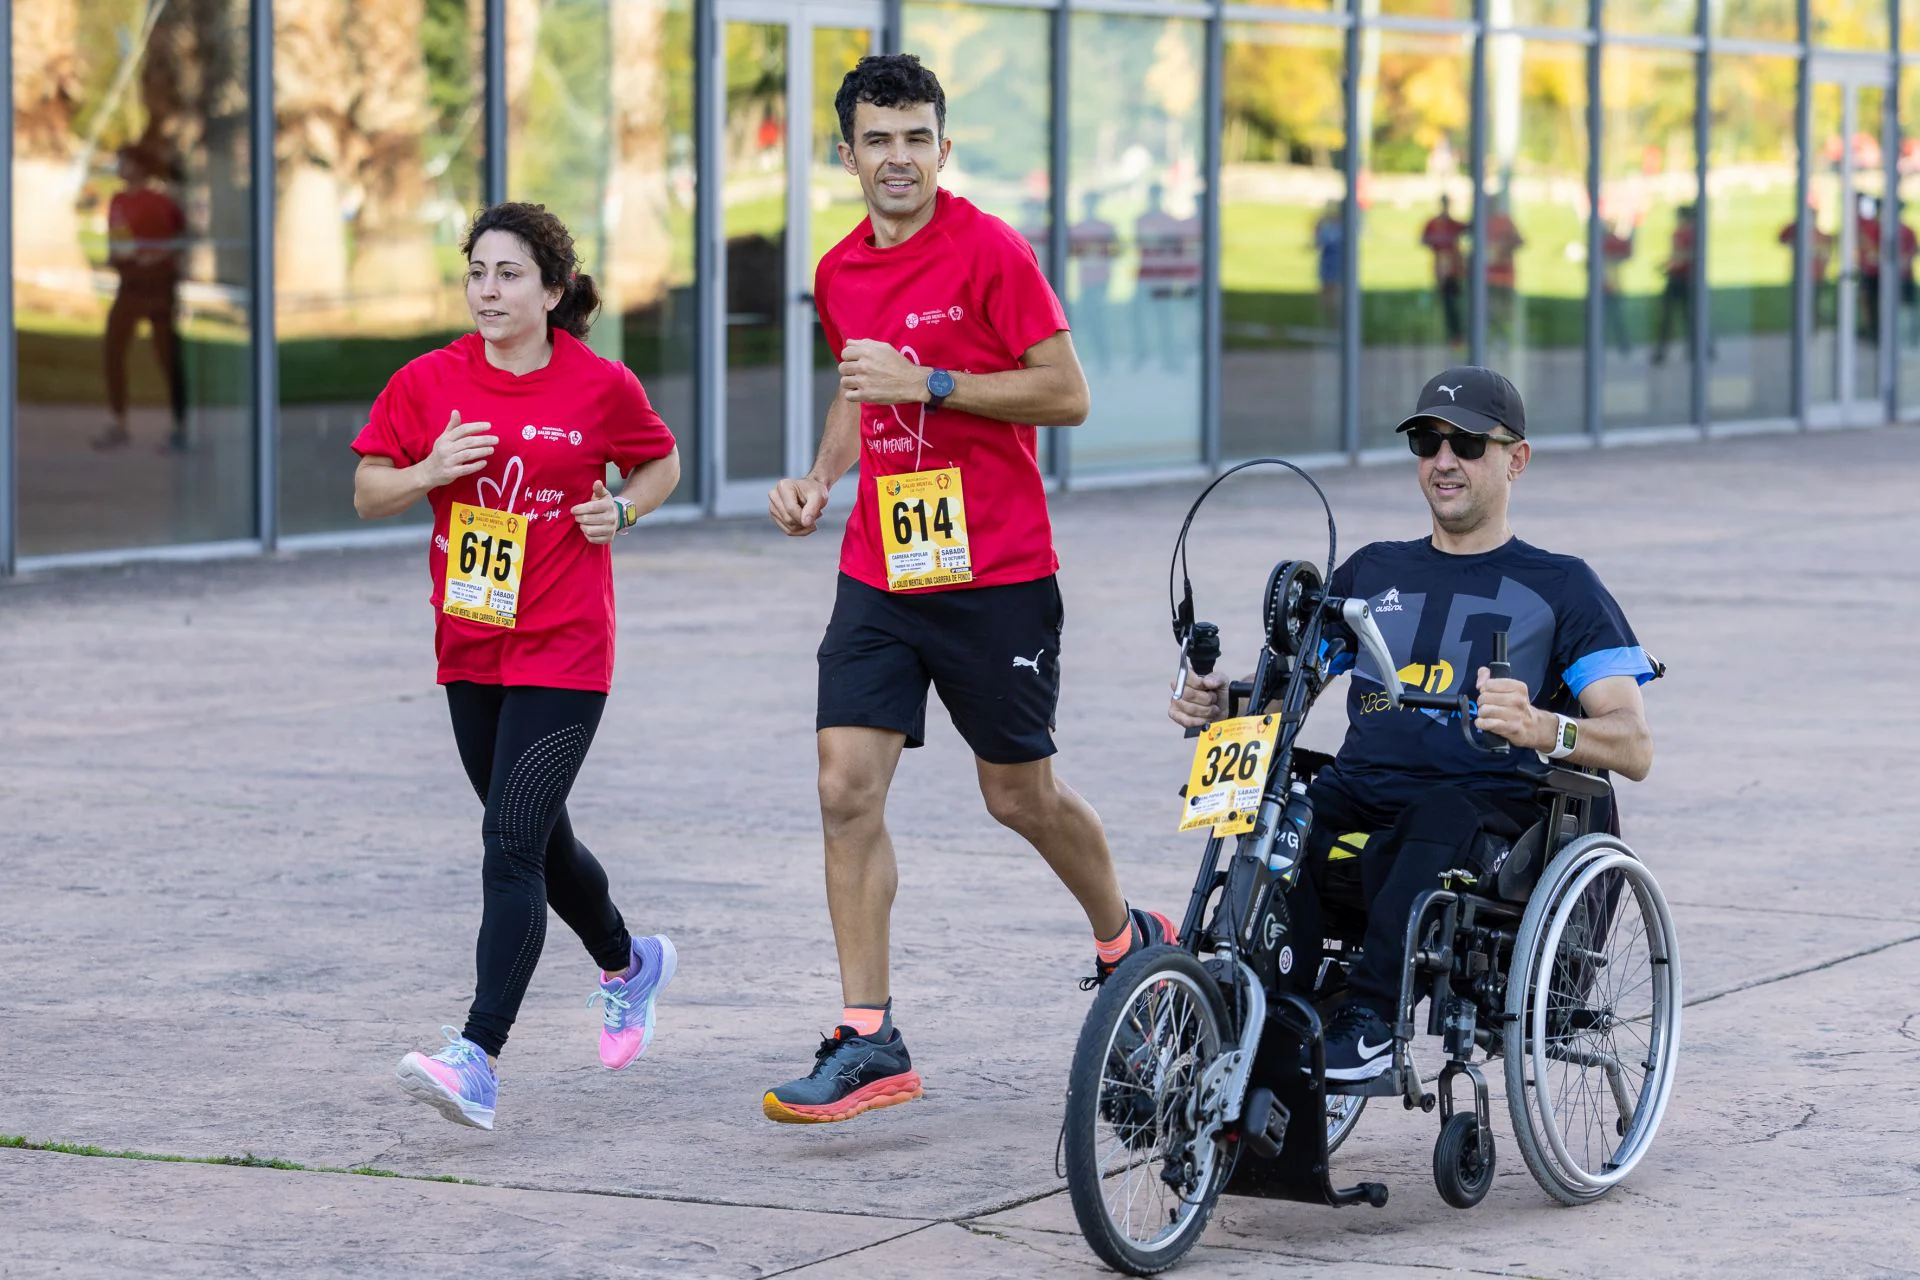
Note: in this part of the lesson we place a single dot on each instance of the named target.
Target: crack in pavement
(1793, 911)
(1769, 980)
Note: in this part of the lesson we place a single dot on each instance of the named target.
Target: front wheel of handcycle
(1142, 1178)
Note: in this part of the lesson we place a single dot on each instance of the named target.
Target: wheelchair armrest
(1575, 783)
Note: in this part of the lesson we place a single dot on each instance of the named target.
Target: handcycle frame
(1256, 1096)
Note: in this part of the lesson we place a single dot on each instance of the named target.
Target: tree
(51, 272)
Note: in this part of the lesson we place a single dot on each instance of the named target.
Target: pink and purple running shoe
(627, 1003)
(456, 1082)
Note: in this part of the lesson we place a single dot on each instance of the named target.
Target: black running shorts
(992, 653)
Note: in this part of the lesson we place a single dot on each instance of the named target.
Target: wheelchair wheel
(1343, 1113)
(1461, 1170)
(1142, 1185)
(1593, 1030)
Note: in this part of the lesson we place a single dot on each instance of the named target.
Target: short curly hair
(889, 80)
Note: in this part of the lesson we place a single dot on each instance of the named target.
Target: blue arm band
(1605, 663)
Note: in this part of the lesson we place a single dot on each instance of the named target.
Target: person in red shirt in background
(1615, 249)
(1442, 236)
(146, 235)
(1503, 239)
(523, 613)
(1678, 293)
(1820, 246)
(1905, 246)
(951, 344)
(1866, 252)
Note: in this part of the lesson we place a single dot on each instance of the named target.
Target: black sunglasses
(1425, 443)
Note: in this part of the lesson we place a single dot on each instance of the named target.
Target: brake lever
(1198, 653)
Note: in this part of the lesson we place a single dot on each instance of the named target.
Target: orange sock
(1113, 950)
(865, 1019)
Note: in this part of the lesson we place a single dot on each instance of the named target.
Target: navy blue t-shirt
(1438, 613)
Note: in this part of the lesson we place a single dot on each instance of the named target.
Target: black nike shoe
(1150, 929)
(851, 1074)
(1359, 1045)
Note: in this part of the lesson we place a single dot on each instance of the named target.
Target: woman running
(523, 612)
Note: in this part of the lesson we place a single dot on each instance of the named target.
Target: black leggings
(522, 747)
(1445, 828)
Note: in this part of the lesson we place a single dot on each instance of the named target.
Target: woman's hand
(462, 449)
(599, 519)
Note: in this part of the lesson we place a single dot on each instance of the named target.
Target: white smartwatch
(1565, 735)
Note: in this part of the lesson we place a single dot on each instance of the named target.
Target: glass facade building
(229, 221)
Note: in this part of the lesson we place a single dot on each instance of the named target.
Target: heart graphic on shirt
(508, 486)
(919, 428)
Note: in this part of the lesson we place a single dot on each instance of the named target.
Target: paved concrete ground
(239, 877)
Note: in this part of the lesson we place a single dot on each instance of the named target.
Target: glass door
(1845, 257)
(784, 201)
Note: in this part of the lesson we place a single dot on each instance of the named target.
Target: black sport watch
(939, 387)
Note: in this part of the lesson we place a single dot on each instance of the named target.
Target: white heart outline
(508, 484)
(917, 431)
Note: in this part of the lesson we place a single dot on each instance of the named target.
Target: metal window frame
(9, 386)
(266, 341)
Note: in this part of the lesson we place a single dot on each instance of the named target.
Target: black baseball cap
(1473, 399)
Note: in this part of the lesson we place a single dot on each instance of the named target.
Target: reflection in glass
(1752, 172)
(1648, 191)
(1753, 19)
(1537, 13)
(1415, 206)
(753, 224)
(1660, 17)
(1417, 8)
(131, 274)
(996, 67)
(1907, 240)
(1851, 24)
(1282, 256)
(836, 205)
(600, 130)
(1537, 221)
(378, 164)
(1846, 189)
(1136, 182)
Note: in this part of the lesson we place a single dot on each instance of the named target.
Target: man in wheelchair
(1423, 800)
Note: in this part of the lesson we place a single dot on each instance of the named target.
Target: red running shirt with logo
(966, 294)
(558, 427)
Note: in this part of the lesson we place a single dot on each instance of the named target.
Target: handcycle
(1200, 1069)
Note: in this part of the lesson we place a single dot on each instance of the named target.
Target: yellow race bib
(1230, 763)
(486, 550)
(923, 530)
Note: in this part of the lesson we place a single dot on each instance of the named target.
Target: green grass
(247, 1161)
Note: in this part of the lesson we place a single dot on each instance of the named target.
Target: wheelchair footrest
(1384, 1085)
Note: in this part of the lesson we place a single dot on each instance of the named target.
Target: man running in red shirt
(952, 344)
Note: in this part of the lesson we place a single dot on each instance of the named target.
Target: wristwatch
(939, 387)
(1566, 733)
(625, 516)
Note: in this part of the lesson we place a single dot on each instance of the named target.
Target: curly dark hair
(552, 246)
(889, 80)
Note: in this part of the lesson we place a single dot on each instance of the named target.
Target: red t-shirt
(558, 427)
(964, 293)
(1442, 235)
